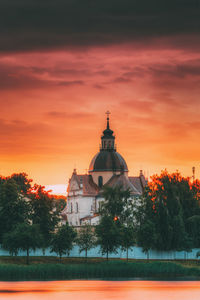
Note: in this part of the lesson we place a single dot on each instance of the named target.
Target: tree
(117, 217)
(117, 204)
(22, 181)
(14, 208)
(108, 235)
(44, 213)
(24, 237)
(169, 200)
(147, 237)
(62, 240)
(2, 180)
(86, 239)
(60, 202)
(179, 239)
(127, 238)
(193, 229)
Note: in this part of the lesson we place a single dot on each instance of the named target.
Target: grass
(49, 268)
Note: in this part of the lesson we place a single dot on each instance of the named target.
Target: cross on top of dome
(108, 113)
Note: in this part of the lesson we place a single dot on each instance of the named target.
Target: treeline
(166, 217)
(29, 216)
(169, 215)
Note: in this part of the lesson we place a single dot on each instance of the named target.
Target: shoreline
(42, 269)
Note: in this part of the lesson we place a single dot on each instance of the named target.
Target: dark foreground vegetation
(39, 269)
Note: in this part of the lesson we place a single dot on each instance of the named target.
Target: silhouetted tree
(59, 202)
(62, 240)
(23, 182)
(108, 235)
(14, 208)
(86, 239)
(170, 200)
(24, 237)
(127, 238)
(147, 236)
(44, 213)
(193, 229)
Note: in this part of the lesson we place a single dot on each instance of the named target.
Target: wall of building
(85, 207)
(134, 253)
(106, 175)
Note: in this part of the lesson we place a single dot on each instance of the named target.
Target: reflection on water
(101, 290)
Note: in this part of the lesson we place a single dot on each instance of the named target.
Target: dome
(108, 161)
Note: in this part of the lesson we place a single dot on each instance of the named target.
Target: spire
(108, 139)
(108, 113)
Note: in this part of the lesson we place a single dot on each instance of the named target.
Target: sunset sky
(63, 64)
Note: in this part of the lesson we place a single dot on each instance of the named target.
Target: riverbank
(51, 269)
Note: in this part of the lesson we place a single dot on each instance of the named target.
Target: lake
(100, 290)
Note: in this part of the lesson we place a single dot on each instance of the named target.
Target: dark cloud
(99, 86)
(180, 71)
(21, 129)
(59, 71)
(20, 77)
(33, 25)
(136, 72)
(103, 73)
(70, 83)
(122, 80)
(69, 115)
(174, 69)
(12, 80)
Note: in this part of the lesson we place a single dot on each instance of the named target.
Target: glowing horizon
(57, 189)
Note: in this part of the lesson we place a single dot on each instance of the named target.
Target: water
(101, 290)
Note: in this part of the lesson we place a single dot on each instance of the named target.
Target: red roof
(86, 183)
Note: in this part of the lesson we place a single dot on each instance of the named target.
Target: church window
(76, 207)
(100, 181)
(71, 208)
(109, 144)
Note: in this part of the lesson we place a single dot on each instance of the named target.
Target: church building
(107, 168)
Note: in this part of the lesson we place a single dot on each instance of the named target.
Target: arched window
(76, 207)
(71, 208)
(100, 181)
